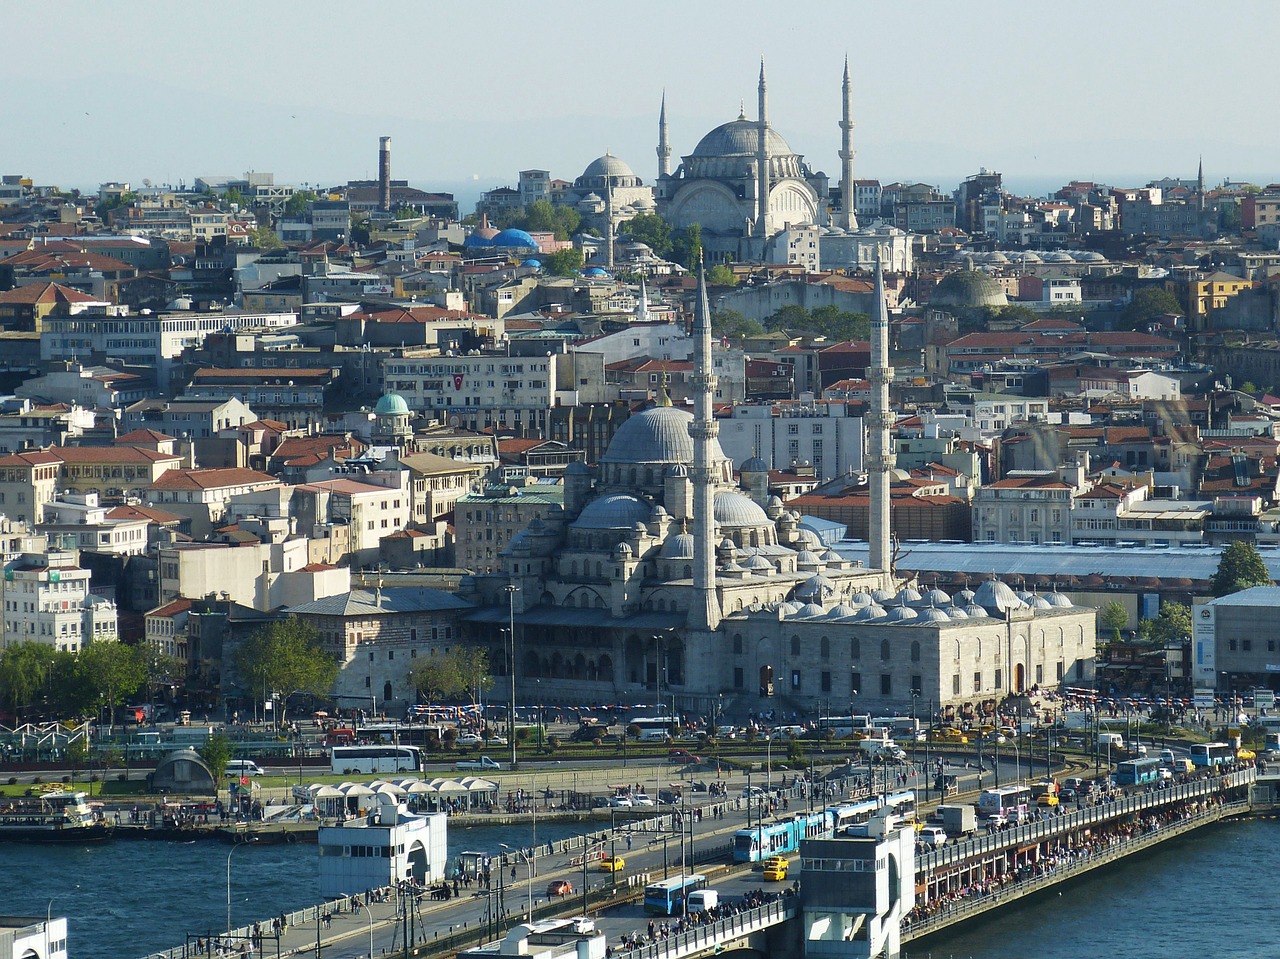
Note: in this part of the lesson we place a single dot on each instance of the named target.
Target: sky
(472, 92)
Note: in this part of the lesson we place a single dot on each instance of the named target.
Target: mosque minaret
(664, 143)
(704, 611)
(762, 160)
(848, 208)
(880, 457)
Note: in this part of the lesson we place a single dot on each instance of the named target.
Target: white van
(652, 736)
(243, 767)
(703, 899)
(1114, 740)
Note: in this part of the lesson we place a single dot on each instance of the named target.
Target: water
(126, 898)
(1208, 895)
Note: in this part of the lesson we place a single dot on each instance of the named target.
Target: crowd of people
(657, 931)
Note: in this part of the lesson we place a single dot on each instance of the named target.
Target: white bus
(349, 760)
(1003, 800)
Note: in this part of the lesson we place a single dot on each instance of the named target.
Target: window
(1232, 645)
(1246, 645)
(855, 683)
(737, 677)
(795, 679)
(999, 679)
(917, 685)
(1059, 670)
(824, 648)
(855, 648)
(977, 682)
(915, 651)
(737, 644)
(1039, 673)
(955, 685)
(884, 649)
(886, 684)
(795, 645)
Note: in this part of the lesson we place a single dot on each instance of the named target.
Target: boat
(53, 817)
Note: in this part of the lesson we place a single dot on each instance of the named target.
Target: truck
(883, 750)
(483, 764)
(958, 819)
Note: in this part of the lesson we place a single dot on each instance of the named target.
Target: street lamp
(511, 589)
(528, 861)
(373, 697)
(234, 847)
(365, 907)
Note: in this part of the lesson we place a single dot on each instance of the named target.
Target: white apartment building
(80, 517)
(264, 576)
(202, 495)
(45, 599)
(369, 511)
(154, 340)
(485, 390)
(822, 433)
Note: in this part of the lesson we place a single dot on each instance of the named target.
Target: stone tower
(880, 457)
(704, 610)
(848, 192)
(664, 142)
(762, 161)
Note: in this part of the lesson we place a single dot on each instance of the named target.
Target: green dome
(392, 404)
(967, 288)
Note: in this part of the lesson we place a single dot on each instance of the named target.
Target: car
(1067, 795)
(1166, 775)
(640, 799)
(621, 802)
(934, 836)
(559, 887)
(775, 869)
(1047, 799)
(997, 820)
(752, 792)
(1018, 815)
(683, 756)
(612, 864)
(996, 737)
(469, 739)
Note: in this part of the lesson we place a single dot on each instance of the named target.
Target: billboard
(1204, 660)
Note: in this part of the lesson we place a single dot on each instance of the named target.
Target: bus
(842, 726)
(901, 727)
(1211, 754)
(1136, 772)
(667, 896)
(1004, 800)
(347, 760)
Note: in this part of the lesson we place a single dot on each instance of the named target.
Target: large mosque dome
(659, 434)
(967, 288)
(740, 137)
(615, 511)
(607, 166)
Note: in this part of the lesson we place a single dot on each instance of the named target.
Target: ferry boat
(53, 817)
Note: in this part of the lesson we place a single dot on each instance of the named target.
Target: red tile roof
(43, 293)
(213, 479)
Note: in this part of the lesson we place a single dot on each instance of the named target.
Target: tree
(264, 238)
(721, 275)
(1147, 304)
(566, 262)
(1171, 625)
(162, 669)
(542, 216)
(286, 657)
(298, 202)
(112, 672)
(216, 753)
(1115, 617)
(461, 673)
(474, 676)
(115, 203)
(790, 317)
(233, 197)
(24, 673)
(733, 323)
(837, 324)
(1239, 568)
(686, 246)
(433, 678)
(652, 230)
(359, 230)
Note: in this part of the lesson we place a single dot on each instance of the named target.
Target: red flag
(457, 381)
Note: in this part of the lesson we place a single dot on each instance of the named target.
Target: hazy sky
(472, 92)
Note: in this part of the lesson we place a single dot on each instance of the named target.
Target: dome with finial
(868, 613)
(391, 404)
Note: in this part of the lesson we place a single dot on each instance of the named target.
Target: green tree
(25, 675)
(474, 677)
(652, 230)
(721, 275)
(111, 672)
(463, 673)
(686, 246)
(299, 202)
(233, 197)
(1147, 304)
(264, 238)
(566, 262)
(1171, 625)
(733, 323)
(433, 677)
(1114, 617)
(1240, 567)
(115, 203)
(837, 324)
(216, 753)
(286, 657)
(359, 231)
(163, 671)
(790, 317)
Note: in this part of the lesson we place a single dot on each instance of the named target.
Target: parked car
(559, 887)
(621, 802)
(469, 739)
(640, 799)
(683, 756)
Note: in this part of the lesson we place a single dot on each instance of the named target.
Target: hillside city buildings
(887, 442)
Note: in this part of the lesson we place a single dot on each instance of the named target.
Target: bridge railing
(1054, 824)
(972, 905)
(709, 935)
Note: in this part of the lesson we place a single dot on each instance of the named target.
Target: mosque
(661, 578)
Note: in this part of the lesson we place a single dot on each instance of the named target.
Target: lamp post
(585, 849)
(365, 907)
(373, 697)
(511, 589)
(528, 861)
(234, 847)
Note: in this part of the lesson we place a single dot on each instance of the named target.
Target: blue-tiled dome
(532, 263)
(512, 237)
(595, 271)
(477, 240)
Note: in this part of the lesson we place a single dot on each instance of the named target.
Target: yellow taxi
(612, 864)
(775, 869)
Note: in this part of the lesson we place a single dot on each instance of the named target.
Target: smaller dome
(734, 510)
(1039, 602)
(974, 611)
(615, 511)
(622, 549)
(788, 608)
(867, 613)
(900, 614)
(727, 545)
(519, 541)
(816, 587)
(679, 546)
(807, 557)
(955, 612)
(536, 524)
(391, 404)
(532, 263)
(678, 471)
(862, 599)
(755, 465)
(479, 240)
(515, 238)
(807, 538)
(1059, 601)
(608, 165)
(882, 596)
(595, 271)
(761, 564)
(1026, 596)
(996, 597)
(842, 611)
(811, 609)
(659, 512)
(965, 595)
(909, 594)
(732, 567)
(937, 597)
(933, 615)
(775, 501)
